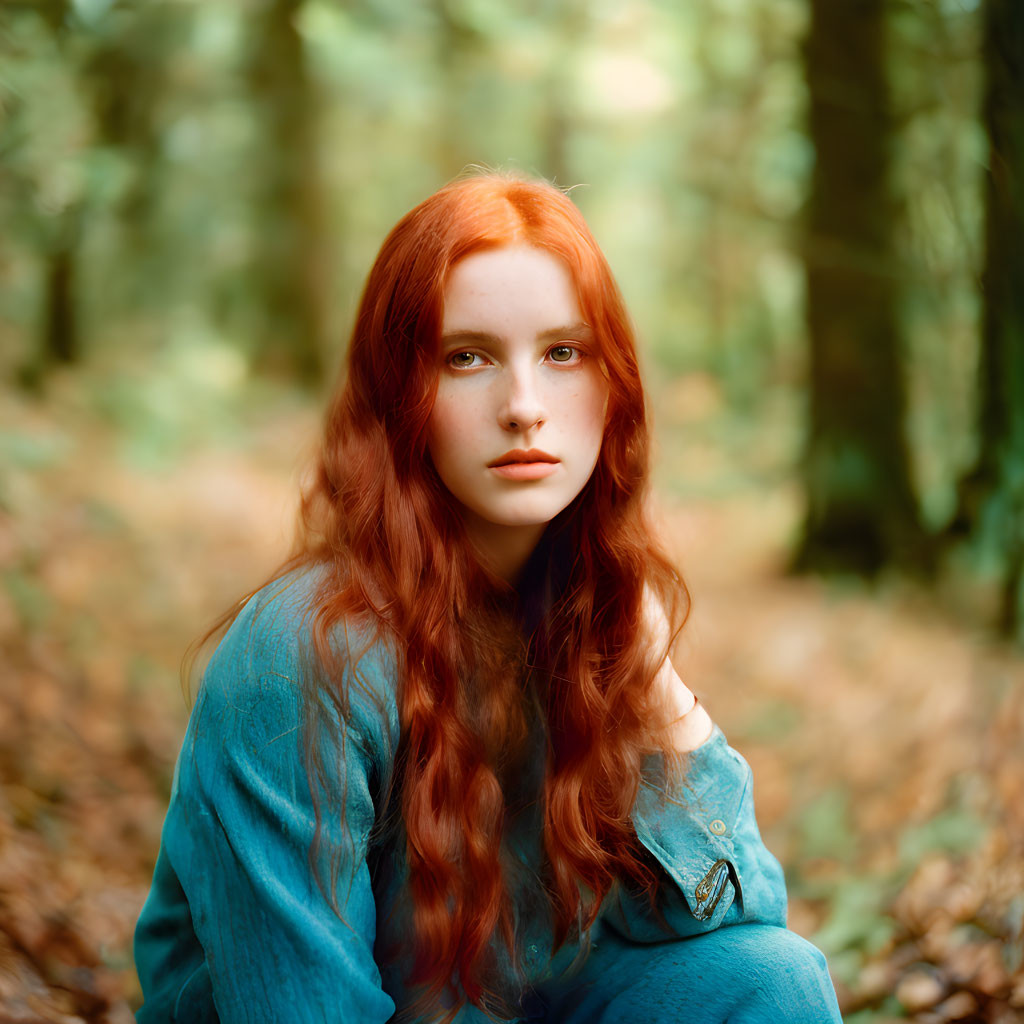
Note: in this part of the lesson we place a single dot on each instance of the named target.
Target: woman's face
(517, 424)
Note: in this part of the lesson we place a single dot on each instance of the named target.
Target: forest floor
(885, 729)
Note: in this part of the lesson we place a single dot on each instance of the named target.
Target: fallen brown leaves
(886, 737)
(887, 741)
(107, 572)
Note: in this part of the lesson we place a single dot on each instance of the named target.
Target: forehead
(514, 284)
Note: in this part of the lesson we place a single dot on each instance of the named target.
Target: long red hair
(474, 659)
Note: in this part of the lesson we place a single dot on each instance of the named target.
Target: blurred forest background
(815, 209)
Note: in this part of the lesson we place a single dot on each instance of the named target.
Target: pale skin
(520, 384)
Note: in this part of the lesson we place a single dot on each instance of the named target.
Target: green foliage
(857, 925)
(140, 138)
(861, 923)
(936, 77)
(32, 451)
(825, 828)
(955, 830)
(30, 600)
(686, 125)
(890, 1010)
(773, 722)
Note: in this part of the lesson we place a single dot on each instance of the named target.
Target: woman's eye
(462, 360)
(563, 353)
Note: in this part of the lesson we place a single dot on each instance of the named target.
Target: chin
(520, 517)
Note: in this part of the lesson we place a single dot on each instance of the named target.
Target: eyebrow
(582, 331)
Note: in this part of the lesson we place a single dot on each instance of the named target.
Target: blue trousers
(748, 974)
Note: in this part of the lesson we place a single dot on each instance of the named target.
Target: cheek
(448, 423)
(591, 411)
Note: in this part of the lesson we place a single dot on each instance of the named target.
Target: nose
(522, 405)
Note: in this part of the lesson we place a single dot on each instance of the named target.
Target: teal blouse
(235, 927)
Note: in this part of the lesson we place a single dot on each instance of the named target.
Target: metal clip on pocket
(709, 890)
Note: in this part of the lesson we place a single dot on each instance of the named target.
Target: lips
(517, 455)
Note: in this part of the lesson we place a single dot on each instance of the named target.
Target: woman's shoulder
(267, 660)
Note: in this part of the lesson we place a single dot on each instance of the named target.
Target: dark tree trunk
(991, 505)
(60, 308)
(128, 78)
(59, 338)
(293, 251)
(861, 511)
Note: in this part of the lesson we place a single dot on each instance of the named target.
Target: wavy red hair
(473, 665)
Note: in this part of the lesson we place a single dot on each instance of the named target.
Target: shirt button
(718, 827)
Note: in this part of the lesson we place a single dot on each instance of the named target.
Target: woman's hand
(685, 724)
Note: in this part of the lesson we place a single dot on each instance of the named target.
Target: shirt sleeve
(238, 845)
(704, 835)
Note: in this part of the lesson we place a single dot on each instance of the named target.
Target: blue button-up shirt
(237, 929)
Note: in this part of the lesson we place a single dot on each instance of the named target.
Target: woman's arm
(704, 835)
(689, 725)
(702, 829)
(682, 723)
(234, 898)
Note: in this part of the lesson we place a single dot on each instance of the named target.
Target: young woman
(441, 766)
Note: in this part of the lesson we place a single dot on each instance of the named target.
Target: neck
(504, 550)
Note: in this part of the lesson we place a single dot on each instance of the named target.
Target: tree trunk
(60, 307)
(861, 512)
(991, 495)
(293, 245)
(59, 331)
